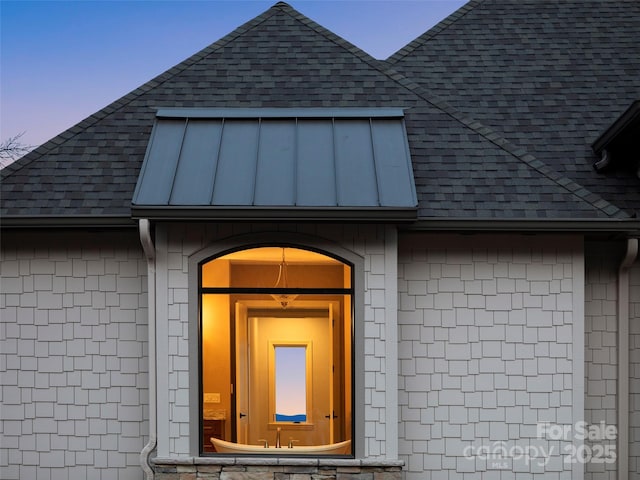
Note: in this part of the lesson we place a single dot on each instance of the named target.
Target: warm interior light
(284, 299)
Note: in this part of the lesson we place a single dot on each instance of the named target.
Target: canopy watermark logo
(590, 443)
(578, 443)
(579, 432)
(499, 455)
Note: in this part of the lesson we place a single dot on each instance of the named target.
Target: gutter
(67, 221)
(277, 214)
(623, 358)
(562, 225)
(405, 219)
(144, 226)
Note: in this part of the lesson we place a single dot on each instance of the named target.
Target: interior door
(264, 333)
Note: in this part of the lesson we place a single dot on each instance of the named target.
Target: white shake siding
(176, 243)
(486, 339)
(601, 346)
(73, 357)
(601, 353)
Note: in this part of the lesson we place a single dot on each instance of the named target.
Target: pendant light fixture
(284, 299)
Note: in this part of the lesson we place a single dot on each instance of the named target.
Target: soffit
(622, 139)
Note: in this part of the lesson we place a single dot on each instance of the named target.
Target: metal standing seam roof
(318, 162)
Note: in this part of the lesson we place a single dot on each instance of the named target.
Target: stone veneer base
(271, 468)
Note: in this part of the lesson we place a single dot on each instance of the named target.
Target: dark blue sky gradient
(62, 61)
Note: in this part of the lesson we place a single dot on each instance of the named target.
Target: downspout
(150, 253)
(623, 358)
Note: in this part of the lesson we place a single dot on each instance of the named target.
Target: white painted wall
(73, 356)
(486, 340)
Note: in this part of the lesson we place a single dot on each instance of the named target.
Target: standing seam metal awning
(277, 163)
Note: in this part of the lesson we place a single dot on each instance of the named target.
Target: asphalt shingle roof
(549, 76)
(463, 168)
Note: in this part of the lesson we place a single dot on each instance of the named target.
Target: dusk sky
(62, 61)
(291, 380)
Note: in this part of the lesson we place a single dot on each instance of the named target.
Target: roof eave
(276, 214)
(631, 115)
(561, 225)
(406, 218)
(66, 221)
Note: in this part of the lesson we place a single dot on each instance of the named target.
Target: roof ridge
(189, 61)
(328, 34)
(582, 193)
(433, 31)
(116, 105)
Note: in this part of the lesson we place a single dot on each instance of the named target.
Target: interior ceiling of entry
(274, 255)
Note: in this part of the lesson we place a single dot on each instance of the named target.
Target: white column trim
(577, 470)
(391, 341)
(162, 346)
(144, 227)
(631, 253)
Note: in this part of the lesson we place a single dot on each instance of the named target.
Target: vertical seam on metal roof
(175, 171)
(407, 151)
(296, 155)
(255, 170)
(336, 180)
(375, 161)
(215, 170)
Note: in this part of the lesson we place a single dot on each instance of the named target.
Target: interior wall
(311, 276)
(299, 276)
(219, 311)
(347, 336)
(216, 348)
(315, 331)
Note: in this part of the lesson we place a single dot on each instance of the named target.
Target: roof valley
(529, 159)
(495, 138)
(489, 134)
(433, 31)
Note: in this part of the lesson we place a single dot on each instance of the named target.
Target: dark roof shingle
(548, 76)
(463, 168)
